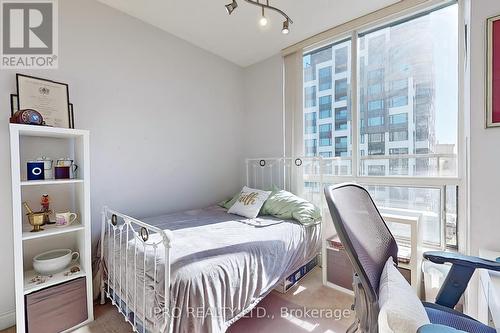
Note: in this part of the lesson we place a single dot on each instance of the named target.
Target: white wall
(484, 147)
(165, 119)
(263, 103)
(484, 143)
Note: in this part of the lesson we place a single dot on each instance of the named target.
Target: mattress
(222, 265)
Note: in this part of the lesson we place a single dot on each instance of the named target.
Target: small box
(296, 276)
(35, 170)
(57, 308)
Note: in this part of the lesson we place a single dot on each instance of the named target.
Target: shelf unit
(29, 142)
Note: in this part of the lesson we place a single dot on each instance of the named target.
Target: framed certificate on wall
(48, 97)
(493, 73)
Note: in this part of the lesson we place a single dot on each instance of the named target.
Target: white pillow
(249, 202)
(401, 311)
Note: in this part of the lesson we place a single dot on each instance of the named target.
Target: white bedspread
(222, 265)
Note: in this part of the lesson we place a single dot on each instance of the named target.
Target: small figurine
(45, 202)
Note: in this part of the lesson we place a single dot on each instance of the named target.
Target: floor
(309, 307)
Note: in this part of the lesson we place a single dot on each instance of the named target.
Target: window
(374, 89)
(398, 119)
(310, 123)
(398, 151)
(341, 60)
(376, 137)
(397, 85)
(325, 107)
(398, 101)
(310, 147)
(331, 129)
(310, 97)
(398, 136)
(341, 146)
(325, 135)
(325, 78)
(375, 121)
(375, 105)
(376, 170)
(393, 70)
(325, 154)
(311, 60)
(341, 118)
(376, 75)
(340, 90)
(376, 48)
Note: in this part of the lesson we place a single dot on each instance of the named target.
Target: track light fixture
(231, 7)
(263, 20)
(285, 29)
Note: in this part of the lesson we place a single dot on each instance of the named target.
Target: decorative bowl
(54, 261)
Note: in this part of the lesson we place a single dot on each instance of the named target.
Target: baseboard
(7, 319)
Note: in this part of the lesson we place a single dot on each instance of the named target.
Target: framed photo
(493, 73)
(13, 104)
(48, 97)
(71, 116)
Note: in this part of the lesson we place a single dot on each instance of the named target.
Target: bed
(202, 270)
(215, 266)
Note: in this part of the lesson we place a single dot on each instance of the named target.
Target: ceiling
(239, 38)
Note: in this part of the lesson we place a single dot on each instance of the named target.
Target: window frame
(353, 95)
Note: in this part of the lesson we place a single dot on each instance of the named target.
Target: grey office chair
(369, 244)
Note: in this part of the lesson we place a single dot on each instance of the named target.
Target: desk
(489, 292)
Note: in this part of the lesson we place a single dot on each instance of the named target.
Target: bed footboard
(124, 238)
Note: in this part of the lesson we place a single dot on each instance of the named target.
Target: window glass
(375, 121)
(375, 105)
(310, 122)
(398, 101)
(398, 136)
(416, 61)
(310, 97)
(328, 133)
(325, 134)
(341, 118)
(341, 146)
(325, 107)
(397, 119)
(341, 90)
(325, 78)
(341, 55)
(407, 104)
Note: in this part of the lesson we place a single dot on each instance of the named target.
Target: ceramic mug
(65, 219)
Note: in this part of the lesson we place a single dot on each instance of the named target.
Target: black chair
(369, 244)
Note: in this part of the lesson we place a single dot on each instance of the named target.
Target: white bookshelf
(27, 143)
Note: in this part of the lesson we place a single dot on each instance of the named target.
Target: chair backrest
(363, 233)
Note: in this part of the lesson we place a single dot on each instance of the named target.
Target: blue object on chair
(460, 273)
(436, 328)
(498, 259)
(369, 244)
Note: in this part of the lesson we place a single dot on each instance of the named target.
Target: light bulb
(285, 29)
(263, 21)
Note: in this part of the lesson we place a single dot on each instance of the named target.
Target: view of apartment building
(396, 103)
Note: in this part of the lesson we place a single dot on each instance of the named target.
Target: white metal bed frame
(260, 173)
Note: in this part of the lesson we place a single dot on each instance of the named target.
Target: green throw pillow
(229, 202)
(287, 206)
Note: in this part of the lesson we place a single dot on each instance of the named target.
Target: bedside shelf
(72, 195)
(51, 230)
(50, 182)
(57, 278)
